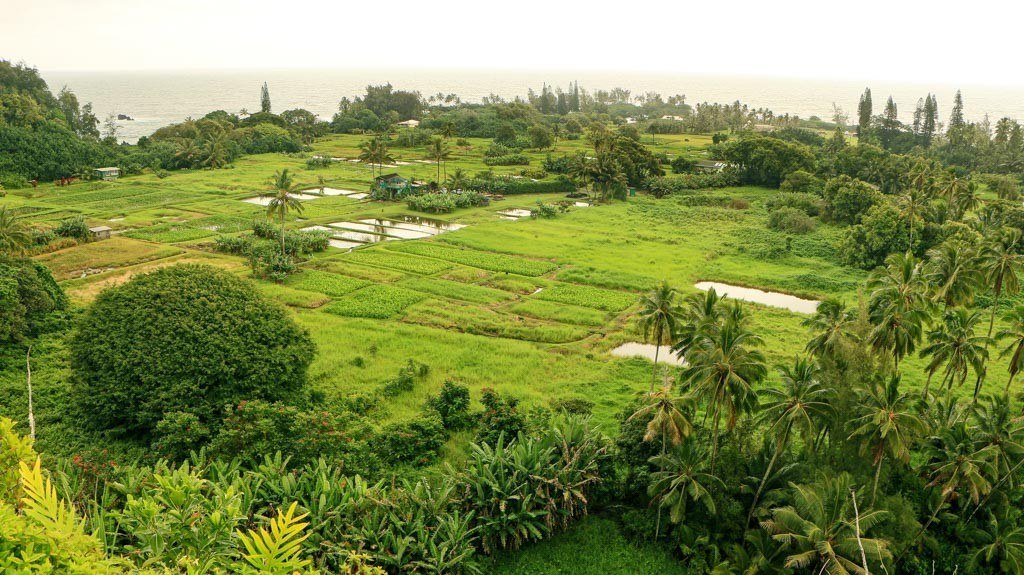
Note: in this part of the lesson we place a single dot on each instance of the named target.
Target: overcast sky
(892, 40)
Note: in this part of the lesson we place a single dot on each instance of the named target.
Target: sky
(891, 40)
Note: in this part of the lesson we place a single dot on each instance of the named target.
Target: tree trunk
(992, 320)
(283, 254)
(1008, 382)
(714, 440)
(654, 372)
(927, 383)
(31, 413)
(657, 523)
(878, 472)
(767, 472)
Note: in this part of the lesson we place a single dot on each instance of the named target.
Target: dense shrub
(417, 442)
(809, 204)
(664, 186)
(882, 231)
(406, 378)
(512, 186)
(767, 161)
(501, 418)
(682, 165)
(507, 160)
(74, 227)
(441, 202)
(560, 165)
(848, 199)
(452, 405)
(28, 295)
(188, 339)
(790, 220)
(802, 181)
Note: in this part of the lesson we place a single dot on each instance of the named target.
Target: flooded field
(637, 349)
(769, 298)
(265, 200)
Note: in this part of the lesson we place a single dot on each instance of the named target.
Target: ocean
(155, 99)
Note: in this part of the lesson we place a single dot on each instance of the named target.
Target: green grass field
(529, 307)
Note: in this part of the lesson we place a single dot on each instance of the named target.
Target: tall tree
(833, 327)
(669, 418)
(823, 532)
(886, 425)
(801, 404)
(953, 344)
(659, 318)
(681, 478)
(724, 365)
(864, 113)
(955, 128)
(1000, 263)
(1015, 349)
(897, 307)
(265, 99)
(282, 201)
(15, 236)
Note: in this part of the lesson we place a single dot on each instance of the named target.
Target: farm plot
(190, 230)
(560, 312)
(113, 253)
(399, 261)
(477, 259)
(454, 290)
(325, 283)
(376, 301)
(467, 318)
(588, 296)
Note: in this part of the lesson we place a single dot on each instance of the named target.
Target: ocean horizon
(158, 98)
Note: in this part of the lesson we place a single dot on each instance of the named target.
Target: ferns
(276, 552)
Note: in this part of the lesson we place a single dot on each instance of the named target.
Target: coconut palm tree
(15, 236)
(951, 185)
(681, 477)
(660, 318)
(914, 204)
(824, 533)
(1015, 333)
(282, 201)
(1002, 548)
(897, 307)
(886, 425)
(954, 344)
(999, 263)
(724, 365)
(997, 426)
(832, 325)
(458, 180)
(952, 273)
(701, 312)
(669, 418)
(801, 404)
(439, 151)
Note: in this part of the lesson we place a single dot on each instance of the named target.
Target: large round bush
(186, 338)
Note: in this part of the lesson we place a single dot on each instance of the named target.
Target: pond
(768, 298)
(330, 192)
(360, 237)
(515, 213)
(343, 245)
(265, 200)
(637, 349)
(416, 224)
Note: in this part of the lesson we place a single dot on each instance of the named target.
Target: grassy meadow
(529, 307)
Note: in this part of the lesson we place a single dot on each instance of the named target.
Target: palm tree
(957, 463)
(897, 306)
(701, 312)
(458, 179)
(997, 427)
(439, 151)
(952, 273)
(952, 186)
(802, 403)
(606, 175)
(681, 478)
(886, 425)
(913, 205)
(15, 236)
(282, 200)
(1015, 333)
(999, 264)
(215, 150)
(832, 325)
(659, 320)
(1003, 546)
(448, 130)
(954, 345)
(670, 419)
(724, 365)
(966, 200)
(822, 529)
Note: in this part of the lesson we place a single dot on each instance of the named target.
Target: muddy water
(342, 244)
(769, 298)
(265, 200)
(515, 213)
(636, 349)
